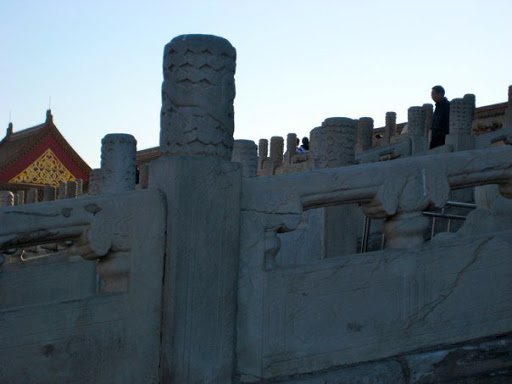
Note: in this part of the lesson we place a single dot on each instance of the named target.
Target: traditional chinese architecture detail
(46, 170)
(39, 155)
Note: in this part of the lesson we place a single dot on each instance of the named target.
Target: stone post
(32, 196)
(50, 193)
(429, 115)
(390, 128)
(291, 148)
(95, 182)
(118, 165)
(6, 199)
(262, 153)
(507, 118)
(203, 190)
(333, 145)
(416, 121)
(364, 139)
(79, 187)
(62, 192)
(461, 122)
(71, 190)
(276, 151)
(20, 197)
(245, 153)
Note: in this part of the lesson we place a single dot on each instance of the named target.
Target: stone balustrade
(194, 255)
(398, 191)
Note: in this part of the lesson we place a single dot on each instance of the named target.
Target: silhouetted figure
(305, 145)
(441, 117)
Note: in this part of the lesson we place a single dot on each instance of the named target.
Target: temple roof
(19, 149)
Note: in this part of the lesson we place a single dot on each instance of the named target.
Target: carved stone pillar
(50, 193)
(364, 134)
(332, 145)
(20, 197)
(390, 128)
(79, 187)
(118, 165)
(291, 148)
(276, 151)
(245, 153)
(262, 153)
(461, 121)
(416, 122)
(95, 182)
(62, 190)
(71, 190)
(32, 196)
(203, 189)
(6, 199)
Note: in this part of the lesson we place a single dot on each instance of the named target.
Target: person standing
(441, 117)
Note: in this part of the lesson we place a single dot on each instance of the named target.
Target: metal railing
(434, 215)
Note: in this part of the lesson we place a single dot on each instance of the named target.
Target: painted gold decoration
(46, 170)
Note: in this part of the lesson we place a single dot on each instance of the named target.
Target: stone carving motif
(416, 121)
(118, 165)
(461, 116)
(95, 182)
(197, 116)
(245, 152)
(332, 144)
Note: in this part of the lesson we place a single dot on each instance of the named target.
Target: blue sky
(299, 62)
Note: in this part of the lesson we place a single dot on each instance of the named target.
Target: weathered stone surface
(62, 191)
(461, 116)
(95, 182)
(32, 196)
(71, 190)
(484, 362)
(56, 315)
(291, 148)
(118, 166)
(276, 151)
(363, 307)
(416, 123)
(378, 373)
(50, 193)
(333, 144)
(197, 97)
(245, 153)
(20, 198)
(201, 268)
(364, 134)
(390, 127)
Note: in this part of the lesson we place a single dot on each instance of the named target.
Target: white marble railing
(397, 191)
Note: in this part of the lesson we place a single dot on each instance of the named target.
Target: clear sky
(299, 61)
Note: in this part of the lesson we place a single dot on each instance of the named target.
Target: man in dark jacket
(441, 117)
